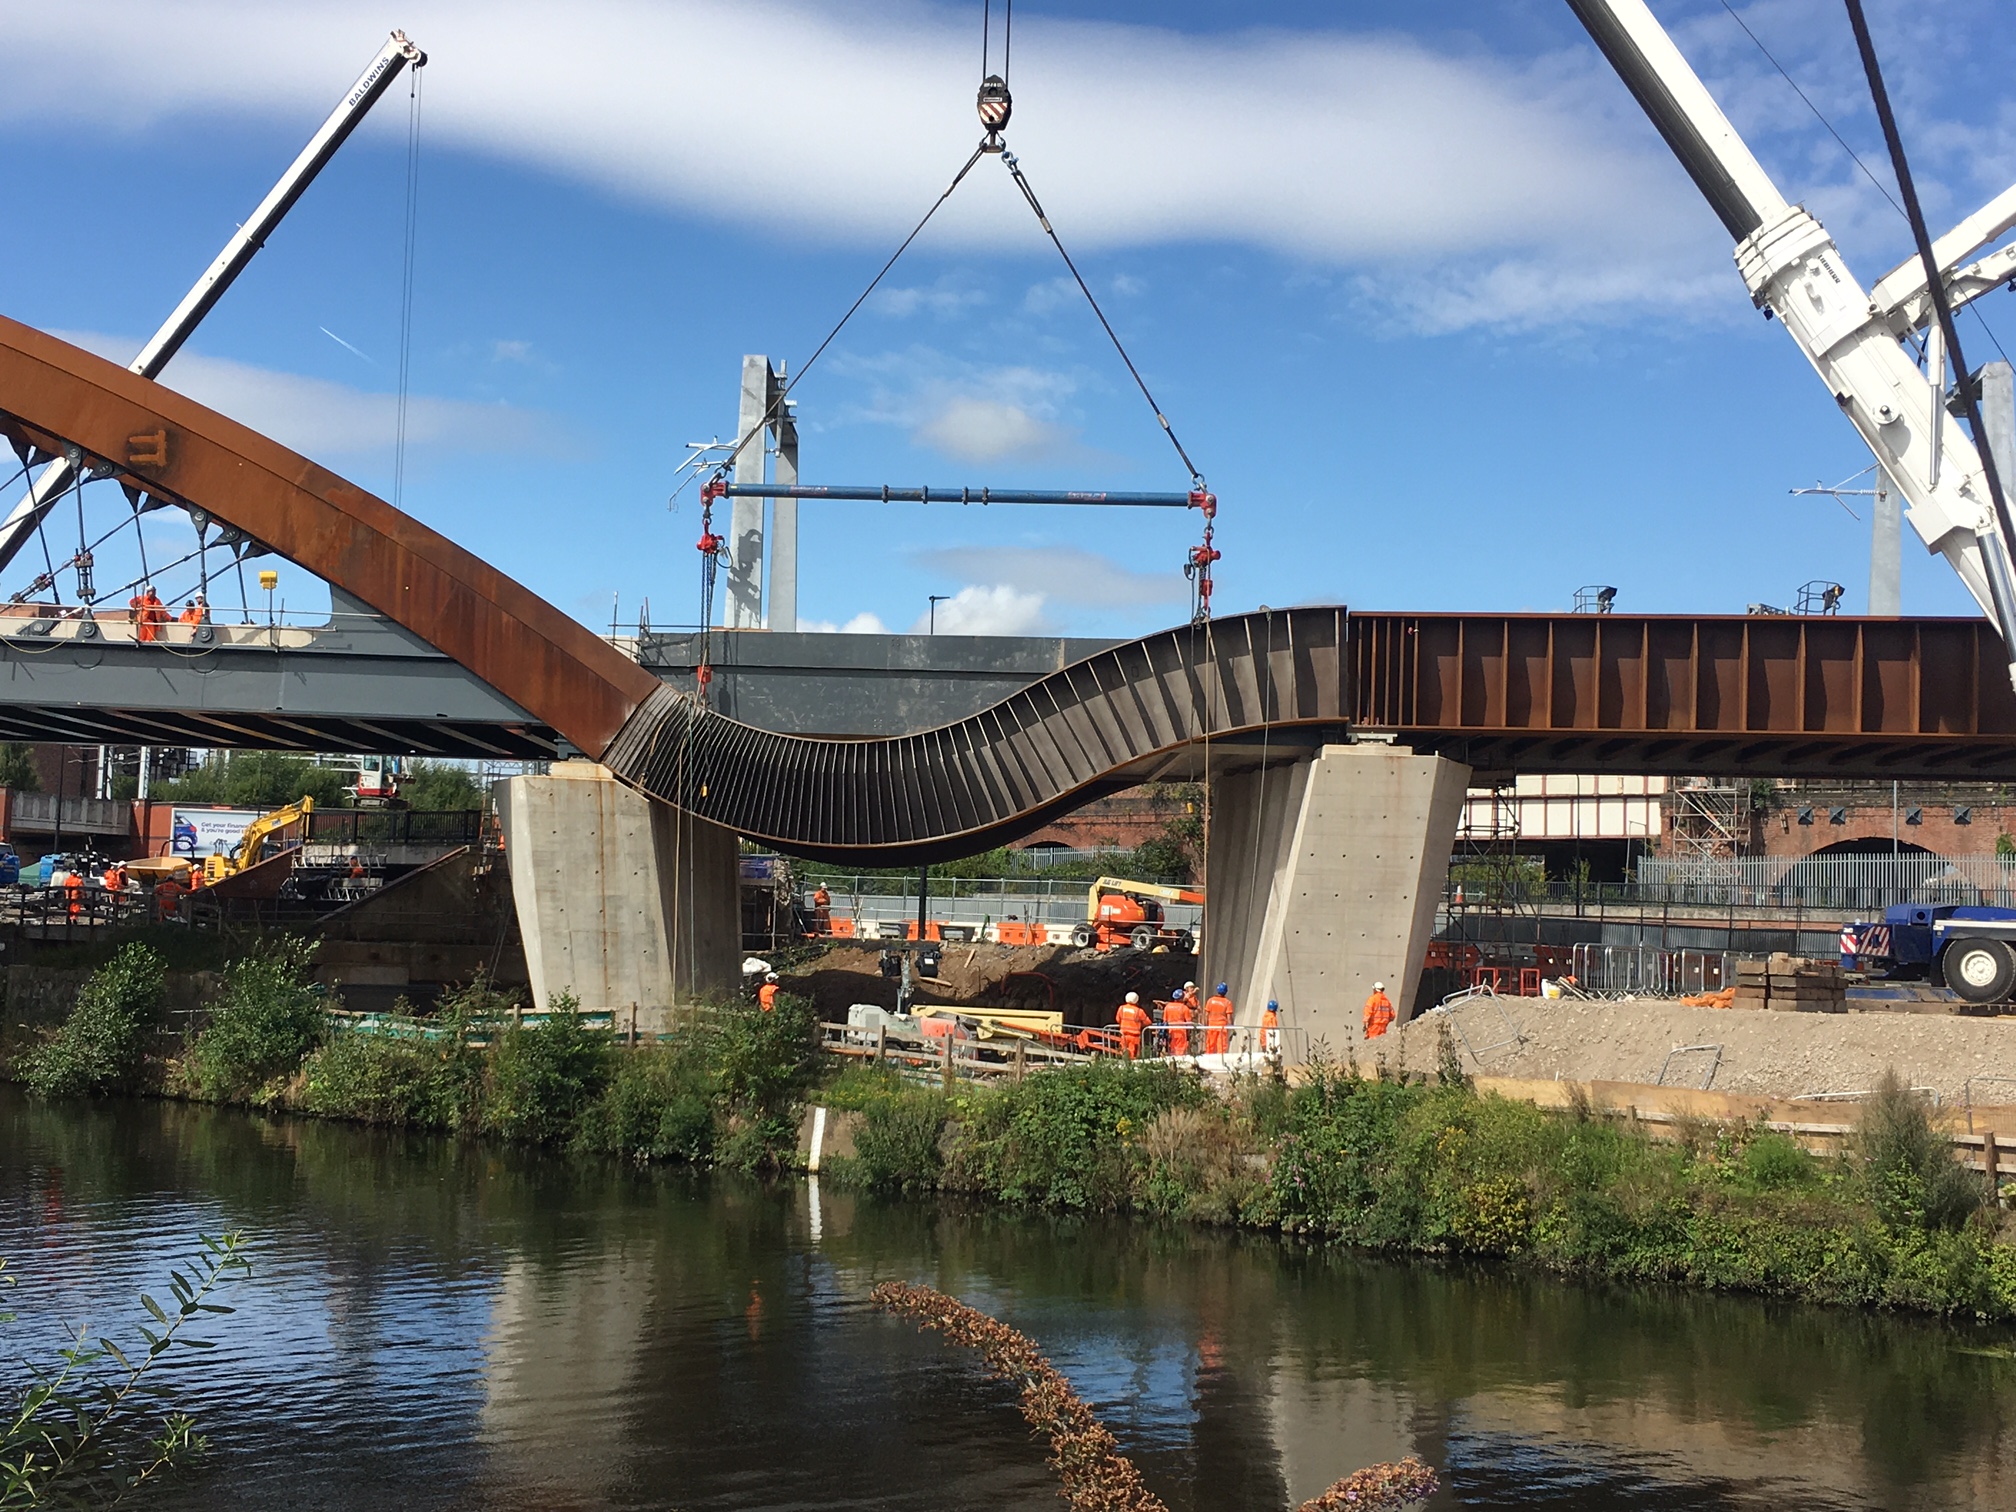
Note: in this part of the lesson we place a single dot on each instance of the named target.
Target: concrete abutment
(621, 900)
(1323, 877)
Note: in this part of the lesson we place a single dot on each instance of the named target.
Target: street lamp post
(936, 600)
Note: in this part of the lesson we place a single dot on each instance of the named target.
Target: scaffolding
(1708, 818)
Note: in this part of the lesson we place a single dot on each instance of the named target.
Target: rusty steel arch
(54, 396)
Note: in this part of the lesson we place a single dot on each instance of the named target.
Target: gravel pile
(1774, 1054)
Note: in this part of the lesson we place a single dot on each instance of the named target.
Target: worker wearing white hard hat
(1378, 1012)
(1133, 1019)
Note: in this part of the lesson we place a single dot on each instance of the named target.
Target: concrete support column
(1324, 876)
(621, 900)
(744, 608)
(1886, 549)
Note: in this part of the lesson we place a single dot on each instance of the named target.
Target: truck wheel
(1081, 937)
(1142, 938)
(1981, 971)
(1186, 942)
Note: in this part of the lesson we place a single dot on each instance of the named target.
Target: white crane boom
(244, 244)
(1796, 273)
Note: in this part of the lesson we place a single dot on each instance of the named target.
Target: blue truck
(1970, 949)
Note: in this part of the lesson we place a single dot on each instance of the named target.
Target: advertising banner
(202, 832)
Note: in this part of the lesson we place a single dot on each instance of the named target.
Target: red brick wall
(1782, 834)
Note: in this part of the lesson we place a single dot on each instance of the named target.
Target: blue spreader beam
(883, 494)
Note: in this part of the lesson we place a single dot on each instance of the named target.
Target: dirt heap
(1084, 985)
(1777, 1054)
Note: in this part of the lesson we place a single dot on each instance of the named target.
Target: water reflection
(450, 1326)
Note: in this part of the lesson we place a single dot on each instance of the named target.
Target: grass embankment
(724, 1090)
(1398, 1167)
(1434, 1169)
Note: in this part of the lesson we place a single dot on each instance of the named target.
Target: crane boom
(239, 251)
(1795, 272)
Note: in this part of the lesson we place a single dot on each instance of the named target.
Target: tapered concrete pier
(622, 901)
(1324, 876)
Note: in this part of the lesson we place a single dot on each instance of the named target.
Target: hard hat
(1271, 1004)
(1133, 997)
(769, 976)
(1378, 986)
(1221, 987)
(1188, 985)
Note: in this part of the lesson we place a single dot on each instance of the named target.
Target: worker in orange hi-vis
(766, 995)
(1217, 1022)
(1133, 1019)
(1176, 1020)
(1378, 1012)
(822, 910)
(1270, 1028)
(73, 892)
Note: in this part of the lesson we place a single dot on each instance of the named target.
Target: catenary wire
(1881, 188)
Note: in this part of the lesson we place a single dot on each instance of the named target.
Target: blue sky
(1428, 301)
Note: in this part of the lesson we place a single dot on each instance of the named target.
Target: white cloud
(510, 351)
(987, 430)
(326, 420)
(1058, 574)
(1365, 150)
(947, 295)
(992, 610)
(965, 410)
(864, 623)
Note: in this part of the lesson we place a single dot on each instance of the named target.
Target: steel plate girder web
(1138, 710)
(54, 395)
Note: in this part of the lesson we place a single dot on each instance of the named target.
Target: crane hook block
(996, 105)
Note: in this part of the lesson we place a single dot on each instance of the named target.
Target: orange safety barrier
(843, 929)
(931, 931)
(1014, 932)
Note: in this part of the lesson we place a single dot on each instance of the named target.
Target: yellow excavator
(216, 868)
(1122, 913)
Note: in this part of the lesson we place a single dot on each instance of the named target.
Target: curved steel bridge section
(1505, 693)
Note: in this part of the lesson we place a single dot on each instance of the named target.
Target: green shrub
(764, 1062)
(1198, 1164)
(1069, 1138)
(1907, 1166)
(544, 1078)
(375, 1078)
(102, 1046)
(896, 1146)
(1772, 1162)
(658, 1106)
(268, 1019)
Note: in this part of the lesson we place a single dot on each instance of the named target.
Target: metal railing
(1862, 884)
(1649, 971)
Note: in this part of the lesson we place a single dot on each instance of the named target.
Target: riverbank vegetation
(1403, 1167)
(1434, 1169)
(724, 1088)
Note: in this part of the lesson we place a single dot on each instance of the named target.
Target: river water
(437, 1325)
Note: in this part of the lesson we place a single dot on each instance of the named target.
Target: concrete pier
(1324, 875)
(621, 900)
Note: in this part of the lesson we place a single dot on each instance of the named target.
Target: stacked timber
(1753, 985)
(1791, 984)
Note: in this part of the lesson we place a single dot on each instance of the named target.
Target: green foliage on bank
(102, 1046)
(725, 1088)
(1412, 1168)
